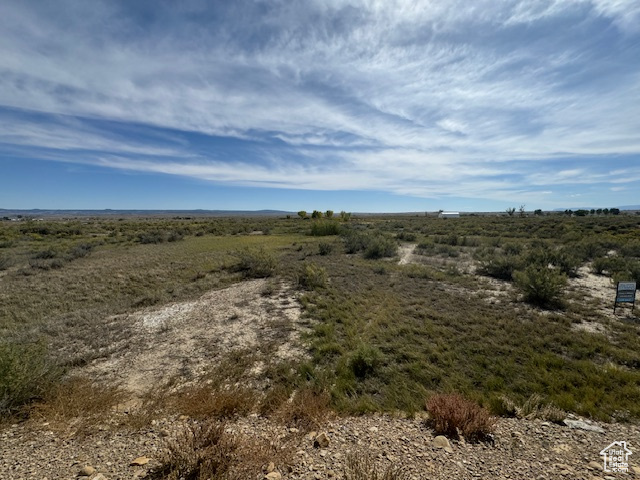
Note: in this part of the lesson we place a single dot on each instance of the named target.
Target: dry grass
(79, 403)
(533, 407)
(207, 401)
(360, 467)
(306, 410)
(452, 415)
(209, 451)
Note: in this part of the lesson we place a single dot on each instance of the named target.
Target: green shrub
(380, 246)
(312, 276)
(541, 285)
(26, 374)
(567, 262)
(325, 248)
(5, 262)
(256, 263)
(407, 236)
(501, 267)
(324, 228)
(364, 361)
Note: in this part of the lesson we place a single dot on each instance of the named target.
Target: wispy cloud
(483, 99)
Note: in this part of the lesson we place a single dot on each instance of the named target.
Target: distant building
(449, 215)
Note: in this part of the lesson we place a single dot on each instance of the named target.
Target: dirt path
(406, 254)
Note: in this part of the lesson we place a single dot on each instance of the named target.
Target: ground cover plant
(383, 335)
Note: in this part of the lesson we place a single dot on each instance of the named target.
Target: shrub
(501, 267)
(541, 285)
(407, 236)
(355, 241)
(312, 276)
(325, 248)
(380, 246)
(324, 228)
(452, 415)
(26, 374)
(364, 361)
(207, 450)
(533, 408)
(361, 467)
(203, 450)
(79, 251)
(256, 263)
(5, 262)
(307, 409)
(205, 401)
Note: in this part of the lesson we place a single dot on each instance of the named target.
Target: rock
(99, 476)
(636, 470)
(139, 461)
(322, 440)
(579, 424)
(271, 467)
(86, 471)
(442, 442)
(273, 476)
(594, 465)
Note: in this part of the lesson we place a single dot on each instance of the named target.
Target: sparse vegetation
(360, 466)
(382, 336)
(454, 415)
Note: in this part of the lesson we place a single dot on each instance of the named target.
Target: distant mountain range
(142, 213)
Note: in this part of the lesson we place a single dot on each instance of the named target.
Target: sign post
(625, 293)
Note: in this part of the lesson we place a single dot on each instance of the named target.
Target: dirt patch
(406, 254)
(181, 340)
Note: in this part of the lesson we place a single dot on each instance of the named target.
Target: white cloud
(417, 98)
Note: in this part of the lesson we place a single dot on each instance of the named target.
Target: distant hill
(142, 213)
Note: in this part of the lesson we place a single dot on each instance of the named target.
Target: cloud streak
(414, 98)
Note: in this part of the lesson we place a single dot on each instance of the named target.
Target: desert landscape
(340, 346)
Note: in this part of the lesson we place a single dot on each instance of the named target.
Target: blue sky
(375, 106)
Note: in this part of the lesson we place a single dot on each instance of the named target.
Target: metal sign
(625, 293)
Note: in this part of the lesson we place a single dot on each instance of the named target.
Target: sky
(363, 105)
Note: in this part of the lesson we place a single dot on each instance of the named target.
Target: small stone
(86, 471)
(273, 476)
(139, 461)
(271, 467)
(442, 442)
(636, 470)
(99, 476)
(331, 473)
(322, 441)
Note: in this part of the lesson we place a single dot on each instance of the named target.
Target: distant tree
(316, 214)
(537, 212)
(510, 211)
(328, 214)
(345, 216)
(614, 211)
(582, 213)
(568, 212)
(302, 214)
(522, 211)
(599, 211)
(605, 211)
(592, 212)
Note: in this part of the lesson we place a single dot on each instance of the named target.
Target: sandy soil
(180, 340)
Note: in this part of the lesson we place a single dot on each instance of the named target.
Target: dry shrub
(361, 467)
(202, 401)
(307, 409)
(273, 400)
(79, 402)
(533, 407)
(452, 415)
(208, 450)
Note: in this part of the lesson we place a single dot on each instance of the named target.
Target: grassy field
(485, 307)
